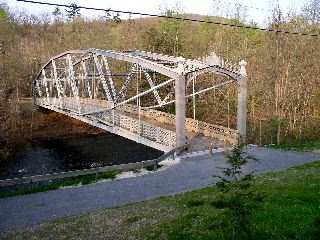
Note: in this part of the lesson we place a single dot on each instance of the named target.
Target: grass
(56, 184)
(290, 210)
(299, 146)
(72, 181)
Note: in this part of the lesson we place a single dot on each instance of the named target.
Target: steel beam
(57, 80)
(113, 89)
(155, 91)
(104, 82)
(85, 75)
(242, 104)
(72, 81)
(180, 106)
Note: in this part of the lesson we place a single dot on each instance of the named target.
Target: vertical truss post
(38, 88)
(104, 82)
(242, 103)
(73, 81)
(193, 98)
(85, 75)
(180, 105)
(57, 81)
(46, 85)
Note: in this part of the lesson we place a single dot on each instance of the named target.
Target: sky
(204, 7)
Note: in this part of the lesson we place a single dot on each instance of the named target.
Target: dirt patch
(316, 151)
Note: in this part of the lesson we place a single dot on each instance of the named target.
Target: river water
(54, 156)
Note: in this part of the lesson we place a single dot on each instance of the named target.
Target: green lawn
(56, 184)
(290, 210)
(71, 181)
(309, 146)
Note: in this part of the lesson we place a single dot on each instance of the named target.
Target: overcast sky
(204, 7)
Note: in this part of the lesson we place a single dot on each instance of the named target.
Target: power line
(177, 18)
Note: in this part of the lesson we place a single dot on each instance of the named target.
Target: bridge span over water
(123, 93)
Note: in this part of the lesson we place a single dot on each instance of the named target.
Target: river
(66, 154)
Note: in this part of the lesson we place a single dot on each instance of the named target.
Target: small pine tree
(237, 197)
(107, 15)
(116, 18)
(57, 14)
(72, 11)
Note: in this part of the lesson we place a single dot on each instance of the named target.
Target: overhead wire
(177, 18)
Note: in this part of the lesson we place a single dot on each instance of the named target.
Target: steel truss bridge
(121, 92)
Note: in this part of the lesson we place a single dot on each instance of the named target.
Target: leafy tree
(311, 12)
(240, 12)
(3, 12)
(72, 11)
(167, 35)
(8, 51)
(237, 196)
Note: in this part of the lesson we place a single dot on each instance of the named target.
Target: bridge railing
(141, 128)
(207, 129)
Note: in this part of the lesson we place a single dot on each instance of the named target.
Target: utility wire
(177, 18)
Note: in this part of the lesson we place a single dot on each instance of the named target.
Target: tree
(116, 18)
(73, 11)
(7, 53)
(237, 198)
(311, 11)
(167, 35)
(57, 14)
(107, 15)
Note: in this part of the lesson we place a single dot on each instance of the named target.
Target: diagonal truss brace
(57, 82)
(123, 91)
(151, 83)
(85, 76)
(73, 82)
(103, 79)
(113, 89)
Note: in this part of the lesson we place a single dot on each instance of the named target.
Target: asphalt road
(190, 173)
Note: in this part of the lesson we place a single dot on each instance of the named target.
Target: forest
(284, 77)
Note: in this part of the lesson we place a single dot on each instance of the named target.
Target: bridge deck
(149, 127)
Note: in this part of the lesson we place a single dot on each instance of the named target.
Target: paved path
(191, 173)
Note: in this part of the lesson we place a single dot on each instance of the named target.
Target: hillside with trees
(283, 70)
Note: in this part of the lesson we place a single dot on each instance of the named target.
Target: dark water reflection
(52, 156)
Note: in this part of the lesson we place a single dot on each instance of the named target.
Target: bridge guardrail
(207, 129)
